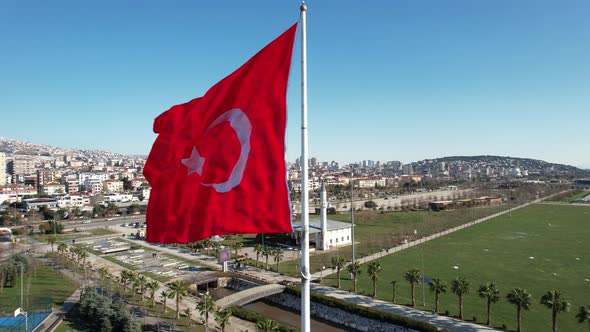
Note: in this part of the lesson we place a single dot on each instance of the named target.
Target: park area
(539, 248)
(43, 288)
(376, 230)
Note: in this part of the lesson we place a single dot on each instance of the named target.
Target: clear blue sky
(388, 80)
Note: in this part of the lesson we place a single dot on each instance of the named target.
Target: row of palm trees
(460, 286)
(277, 253)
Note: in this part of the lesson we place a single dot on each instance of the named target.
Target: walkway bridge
(249, 295)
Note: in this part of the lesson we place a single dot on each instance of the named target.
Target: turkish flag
(218, 164)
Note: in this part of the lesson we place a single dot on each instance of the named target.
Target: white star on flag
(194, 163)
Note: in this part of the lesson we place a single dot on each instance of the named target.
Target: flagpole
(305, 275)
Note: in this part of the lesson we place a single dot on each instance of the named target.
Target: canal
(275, 313)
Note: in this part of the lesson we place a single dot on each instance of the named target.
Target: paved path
(249, 295)
(565, 204)
(436, 320)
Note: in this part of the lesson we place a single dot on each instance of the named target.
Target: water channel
(275, 313)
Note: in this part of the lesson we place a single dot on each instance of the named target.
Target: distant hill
(16, 147)
(532, 165)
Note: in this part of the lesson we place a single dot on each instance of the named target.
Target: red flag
(217, 166)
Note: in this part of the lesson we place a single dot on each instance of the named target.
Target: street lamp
(322, 273)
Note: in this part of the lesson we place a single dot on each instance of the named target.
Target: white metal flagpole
(305, 275)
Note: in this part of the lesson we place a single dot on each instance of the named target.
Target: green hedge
(254, 317)
(366, 311)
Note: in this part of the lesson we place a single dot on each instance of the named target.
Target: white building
(326, 233)
(73, 201)
(90, 179)
(2, 168)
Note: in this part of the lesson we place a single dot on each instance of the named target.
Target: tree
(373, 270)
(522, 300)
(62, 248)
(370, 204)
(236, 246)
(142, 281)
(267, 251)
(188, 312)
(338, 263)
(438, 287)
(166, 294)
(222, 318)
(206, 306)
(267, 325)
(460, 287)
(259, 249)
(414, 277)
(125, 277)
(584, 315)
(490, 292)
(355, 269)
(278, 254)
(178, 288)
(555, 301)
(132, 209)
(51, 240)
(152, 286)
(393, 283)
(103, 271)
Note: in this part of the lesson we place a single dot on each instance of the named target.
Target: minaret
(324, 216)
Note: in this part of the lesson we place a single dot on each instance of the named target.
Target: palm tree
(51, 240)
(414, 277)
(460, 287)
(166, 294)
(278, 254)
(142, 281)
(438, 287)
(355, 269)
(490, 292)
(267, 251)
(236, 246)
(152, 286)
(62, 247)
(188, 312)
(178, 288)
(125, 277)
(206, 306)
(267, 325)
(82, 255)
(373, 270)
(259, 249)
(522, 300)
(103, 272)
(222, 318)
(555, 301)
(393, 283)
(584, 314)
(338, 263)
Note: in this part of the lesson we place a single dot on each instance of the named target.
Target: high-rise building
(2, 168)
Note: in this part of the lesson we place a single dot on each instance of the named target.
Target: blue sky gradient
(388, 80)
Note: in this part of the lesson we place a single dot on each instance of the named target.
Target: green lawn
(573, 198)
(43, 286)
(375, 231)
(540, 248)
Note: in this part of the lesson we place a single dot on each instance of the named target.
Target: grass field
(375, 231)
(43, 286)
(539, 248)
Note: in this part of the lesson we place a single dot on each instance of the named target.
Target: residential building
(112, 186)
(2, 168)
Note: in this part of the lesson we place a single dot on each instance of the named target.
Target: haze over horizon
(387, 80)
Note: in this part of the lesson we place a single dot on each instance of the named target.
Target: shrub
(366, 312)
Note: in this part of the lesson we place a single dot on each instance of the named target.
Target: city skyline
(409, 81)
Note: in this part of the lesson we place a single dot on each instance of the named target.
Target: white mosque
(325, 233)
